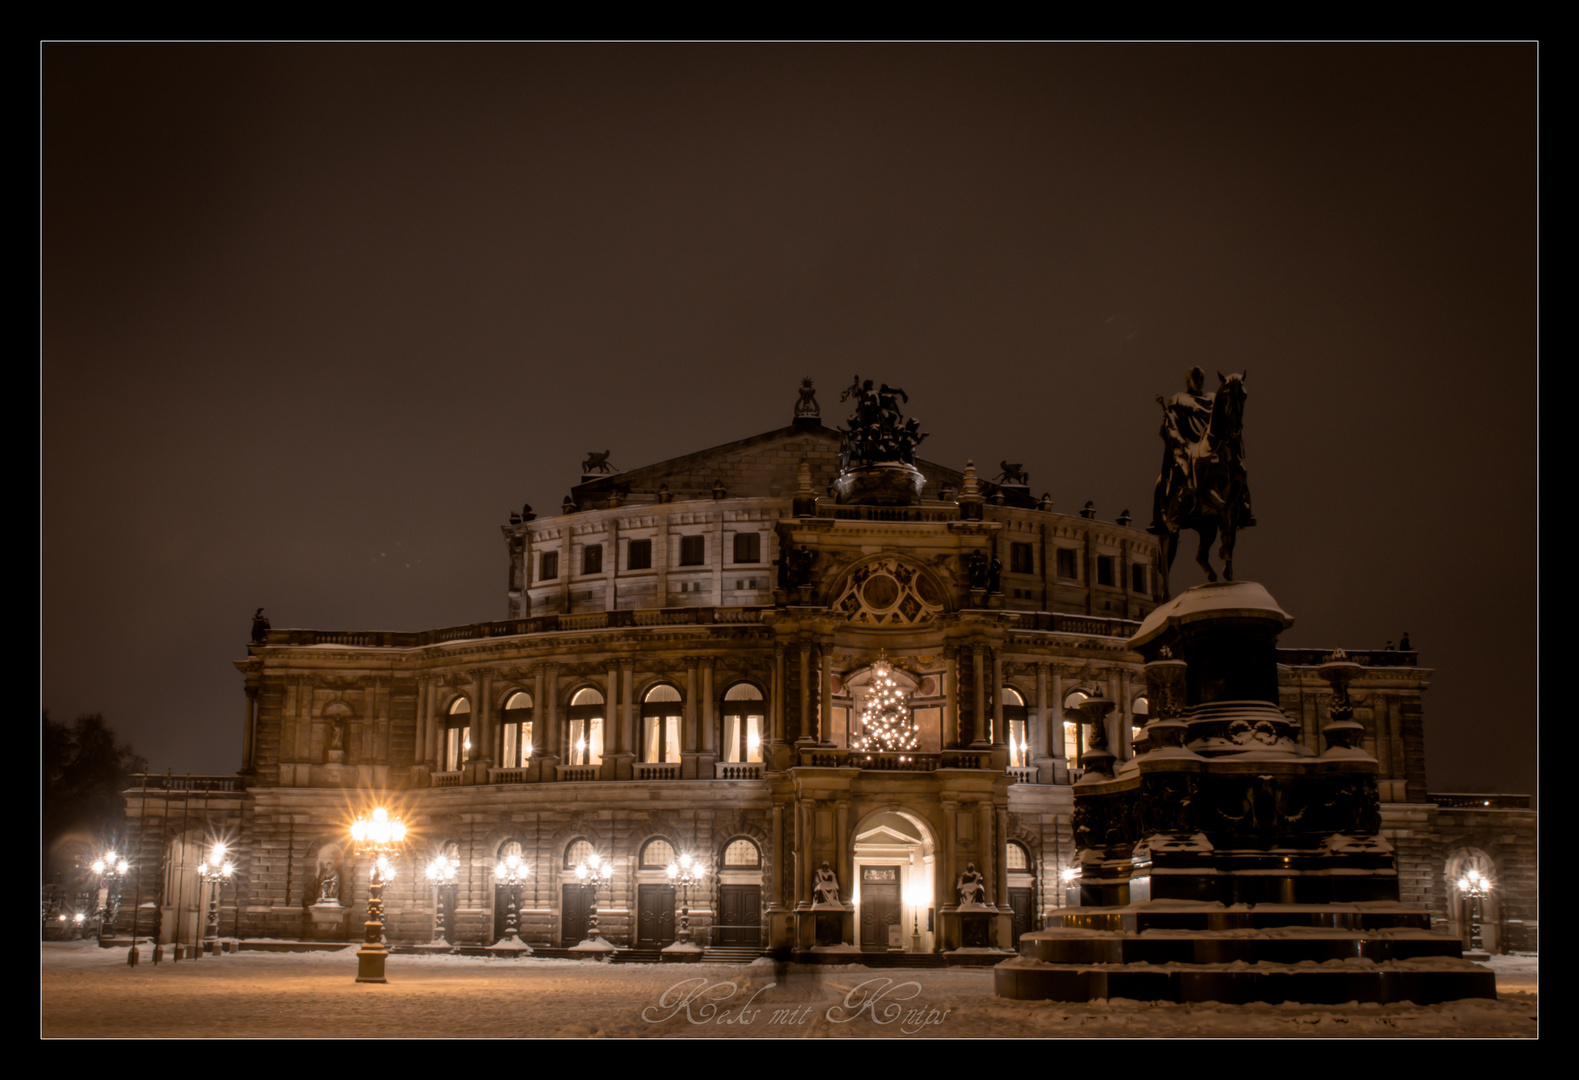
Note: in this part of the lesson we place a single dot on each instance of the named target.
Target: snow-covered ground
(88, 992)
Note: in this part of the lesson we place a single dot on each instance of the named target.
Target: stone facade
(685, 657)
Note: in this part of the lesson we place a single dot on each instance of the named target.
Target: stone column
(979, 721)
(997, 737)
(1055, 715)
(627, 714)
(708, 739)
(776, 706)
(780, 873)
(988, 847)
(999, 848)
(845, 857)
(688, 724)
(1042, 741)
(540, 725)
(951, 735)
(805, 695)
(552, 736)
(613, 743)
(825, 703)
(250, 731)
(948, 845)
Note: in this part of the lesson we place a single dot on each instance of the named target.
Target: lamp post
(110, 868)
(441, 872)
(1473, 887)
(379, 838)
(216, 870)
(685, 872)
(511, 871)
(594, 871)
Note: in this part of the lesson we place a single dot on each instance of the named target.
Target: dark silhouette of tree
(85, 771)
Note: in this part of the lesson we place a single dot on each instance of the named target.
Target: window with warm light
(1015, 726)
(660, 724)
(457, 735)
(516, 732)
(585, 735)
(742, 854)
(743, 721)
(657, 855)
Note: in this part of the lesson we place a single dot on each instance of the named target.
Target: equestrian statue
(1202, 485)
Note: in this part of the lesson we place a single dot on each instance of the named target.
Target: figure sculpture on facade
(1202, 484)
(877, 431)
(260, 627)
(807, 406)
(971, 887)
(825, 887)
(597, 463)
(328, 883)
(1012, 473)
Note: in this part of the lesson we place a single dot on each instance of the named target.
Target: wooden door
(740, 917)
(654, 916)
(1020, 903)
(881, 911)
(574, 904)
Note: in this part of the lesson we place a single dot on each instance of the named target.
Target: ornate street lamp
(110, 868)
(594, 871)
(441, 872)
(379, 838)
(216, 870)
(685, 872)
(511, 871)
(1473, 887)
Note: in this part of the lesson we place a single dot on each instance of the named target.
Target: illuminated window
(743, 721)
(585, 742)
(748, 547)
(657, 854)
(516, 732)
(1066, 563)
(1021, 560)
(1016, 857)
(1141, 709)
(577, 852)
(457, 735)
(693, 550)
(660, 724)
(548, 566)
(1014, 727)
(742, 853)
(592, 559)
(1072, 701)
(638, 556)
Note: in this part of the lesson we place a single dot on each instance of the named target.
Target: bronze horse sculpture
(1203, 486)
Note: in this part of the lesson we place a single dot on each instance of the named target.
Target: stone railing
(1476, 799)
(1364, 657)
(893, 760)
(737, 770)
(167, 782)
(941, 512)
(517, 775)
(540, 624)
(1022, 774)
(577, 772)
(1057, 622)
(656, 770)
(446, 779)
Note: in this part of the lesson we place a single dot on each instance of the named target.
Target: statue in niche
(976, 569)
(971, 887)
(825, 886)
(328, 883)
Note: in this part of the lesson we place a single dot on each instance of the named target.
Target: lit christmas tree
(885, 719)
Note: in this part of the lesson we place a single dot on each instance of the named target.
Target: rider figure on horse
(1185, 418)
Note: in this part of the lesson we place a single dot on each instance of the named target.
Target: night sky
(316, 318)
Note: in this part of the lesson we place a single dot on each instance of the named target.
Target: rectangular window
(1104, 569)
(1137, 579)
(1020, 559)
(548, 568)
(748, 547)
(693, 550)
(1066, 563)
(592, 559)
(639, 555)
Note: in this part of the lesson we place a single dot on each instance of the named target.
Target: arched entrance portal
(895, 864)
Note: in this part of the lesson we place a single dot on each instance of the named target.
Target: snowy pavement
(87, 992)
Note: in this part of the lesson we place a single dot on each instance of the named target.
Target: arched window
(1140, 709)
(1017, 858)
(517, 731)
(742, 854)
(585, 741)
(457, 735)
(577, 852)
(1072, 702)
(744, 718)
(1014, 727)
(660, 724)
(657, 854)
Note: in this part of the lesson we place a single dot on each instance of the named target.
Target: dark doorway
(574, 906)
(1024, 909)
(880, 907)
(654, 916)
(740, 917)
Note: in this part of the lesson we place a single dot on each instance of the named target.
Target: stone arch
(1460, 859)
(888, 842)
